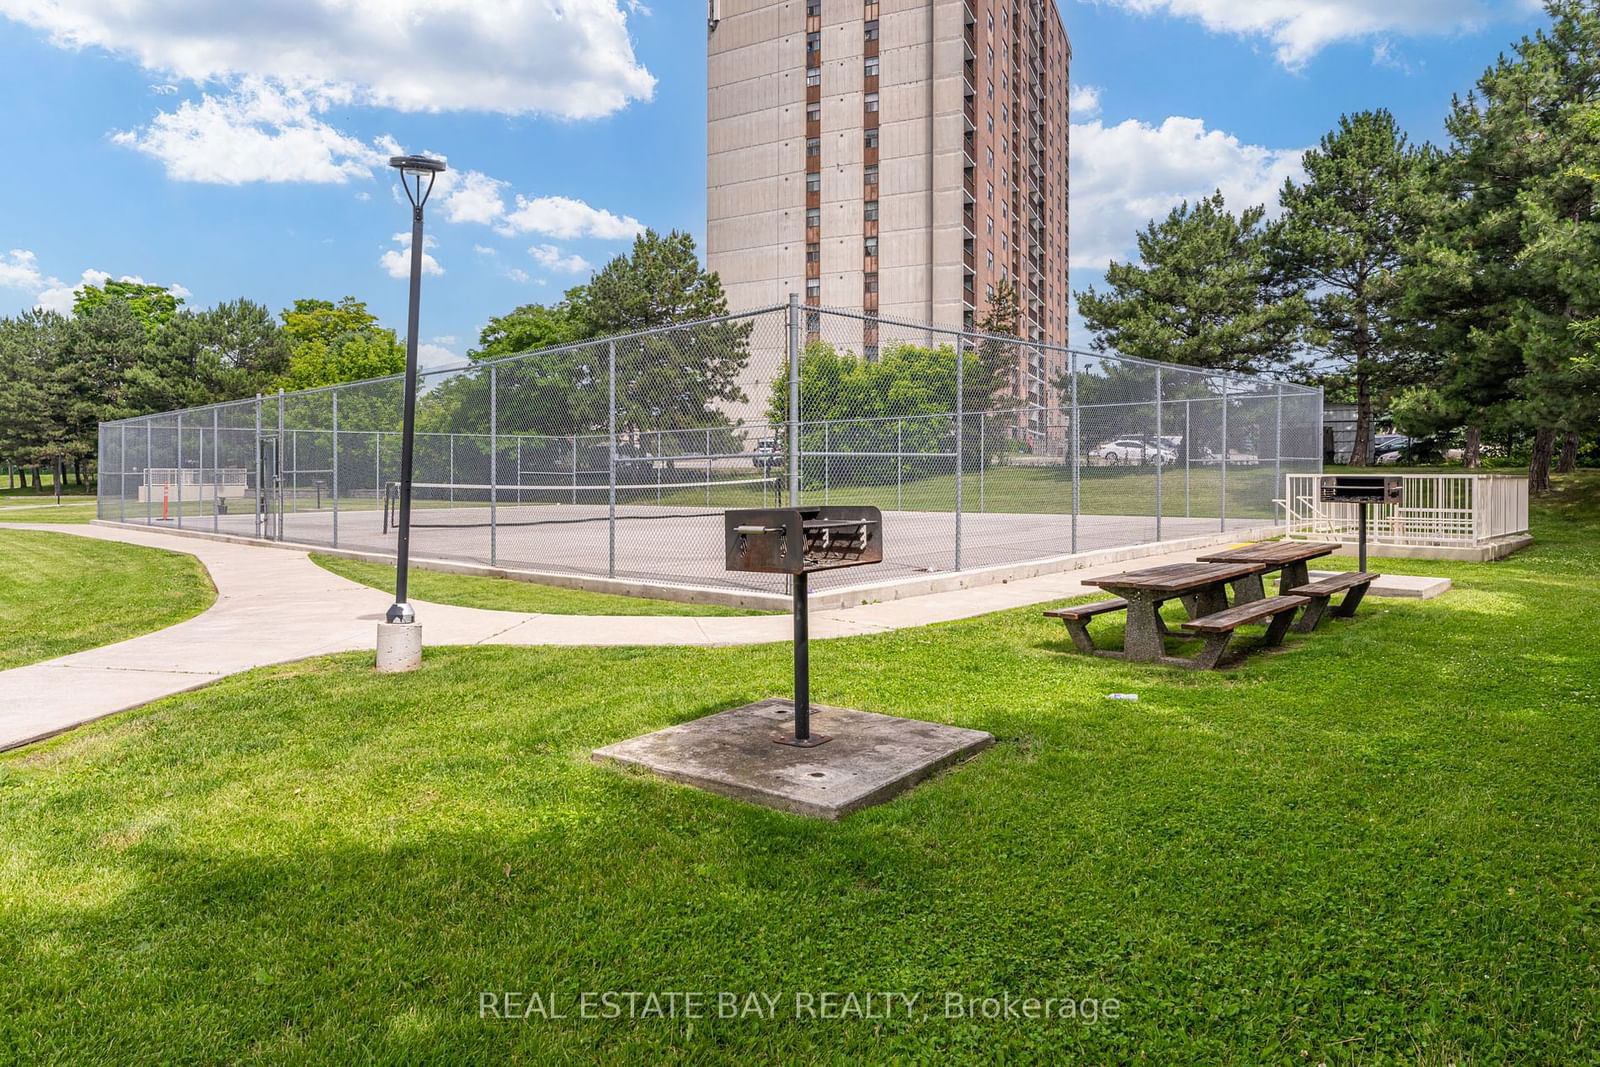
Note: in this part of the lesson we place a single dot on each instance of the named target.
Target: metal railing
(1437, 509)
(614, 457)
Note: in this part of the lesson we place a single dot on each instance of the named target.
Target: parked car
(766, 455)
(1390, 448)
(1131, 451)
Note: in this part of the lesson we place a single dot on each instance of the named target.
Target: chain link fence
(617, 457)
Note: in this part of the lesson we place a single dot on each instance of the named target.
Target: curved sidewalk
(274, 605)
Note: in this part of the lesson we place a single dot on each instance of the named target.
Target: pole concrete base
(399, 647)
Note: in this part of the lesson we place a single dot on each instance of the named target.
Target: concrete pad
(870, 759)
(1400, 586)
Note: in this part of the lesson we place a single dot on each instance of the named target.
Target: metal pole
(149, 483)
(794, 400)
(260, 498)
(1077, 501)
(452, 447)
(708, 466)
(899, 464)
(961, 457)
(277, 474)
(574, 468)
(122, 477)
(983, 458)
(1161, 450)
(180, 470)
(519, 468)
(1277, 457)
(611, 437)
(1222, 502)
(1363, 563)
(377, 468)
(494, 467)
(827, 462)
(802, 660)
(335, 478)
(1188, 448)
(401, 611)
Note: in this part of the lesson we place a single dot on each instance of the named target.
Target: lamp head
(417, 174)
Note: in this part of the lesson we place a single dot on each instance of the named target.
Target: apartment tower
(900, 157)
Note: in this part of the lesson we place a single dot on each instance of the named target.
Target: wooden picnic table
(1290, 557)
(1203, 588)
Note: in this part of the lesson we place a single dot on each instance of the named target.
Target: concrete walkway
(274, 605)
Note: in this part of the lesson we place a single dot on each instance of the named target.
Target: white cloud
(517, 274)
(19, 269)
(397, 261)
(550, 256)
(1084, 102)
(565, 218)
(472, 197)
(1125, 175)
(432, 356)
(573, 59)
(1299, 29)
(484, 250)
(259, 133)
(164, 89)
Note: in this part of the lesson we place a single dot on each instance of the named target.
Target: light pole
(417, 174)
(400, 641)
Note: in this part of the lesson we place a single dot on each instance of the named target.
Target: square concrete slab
(870, 759)
(1402, 586)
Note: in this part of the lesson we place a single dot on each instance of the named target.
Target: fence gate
(269, 491)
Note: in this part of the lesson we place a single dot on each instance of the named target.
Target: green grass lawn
(1379, 846)
(504, 594)
(61, 594)
(71, 510)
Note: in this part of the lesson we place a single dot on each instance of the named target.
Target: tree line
(1458, 287)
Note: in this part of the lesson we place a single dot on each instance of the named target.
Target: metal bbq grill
(799, 542)
(1363, 490)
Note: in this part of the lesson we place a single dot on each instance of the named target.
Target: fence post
(827, 462)
(494, 466)
(334, 480)
(899, 464)
(122, 478)
(519, 468)
(1277, 455)
(1077, 487)
(452, 447)
(961, 418)
(179, 461)
(574, 469)
(377, 466)
(1222, 488)
(794, 400)
(277, 454)
(260, 497)
(1188, 454)
(1161, 453)
(708, 466)
(611, 437)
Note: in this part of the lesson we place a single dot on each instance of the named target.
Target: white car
(1127, 451)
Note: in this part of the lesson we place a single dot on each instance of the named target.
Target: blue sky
(236, 150)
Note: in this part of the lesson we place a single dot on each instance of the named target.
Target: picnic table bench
(1290, 557)
(1353, 585)
(1201, 586)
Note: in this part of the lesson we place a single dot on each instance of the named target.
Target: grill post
(802, 662)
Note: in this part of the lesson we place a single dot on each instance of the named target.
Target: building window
(813, 183)
(813, 218)
(813, 112)
(870, 174)
(813, 47)
(813, 253)
(991, 22)
(872, 102)
(990, 194)
(991, 88)
(813, 288)
(991, 55)
(871, 31)
(1005, 145)
(870, 246)
(872, 67)
(989, 292)
(813, 146)
(870, 210)
(991, 260)
(990, 153)
(813, 76)
(871, 281)
(990, 228)
(1005, 113)
(814, 8)
(872, 138)
(1005, 82)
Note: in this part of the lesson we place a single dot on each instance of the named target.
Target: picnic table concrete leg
(1311, 616)
(1210, 600)
(1079, 630)
(1249, 589)
(1294, 576)
(1142, 638)
(1352, 601)
(1210, 657)
(1277, 629)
